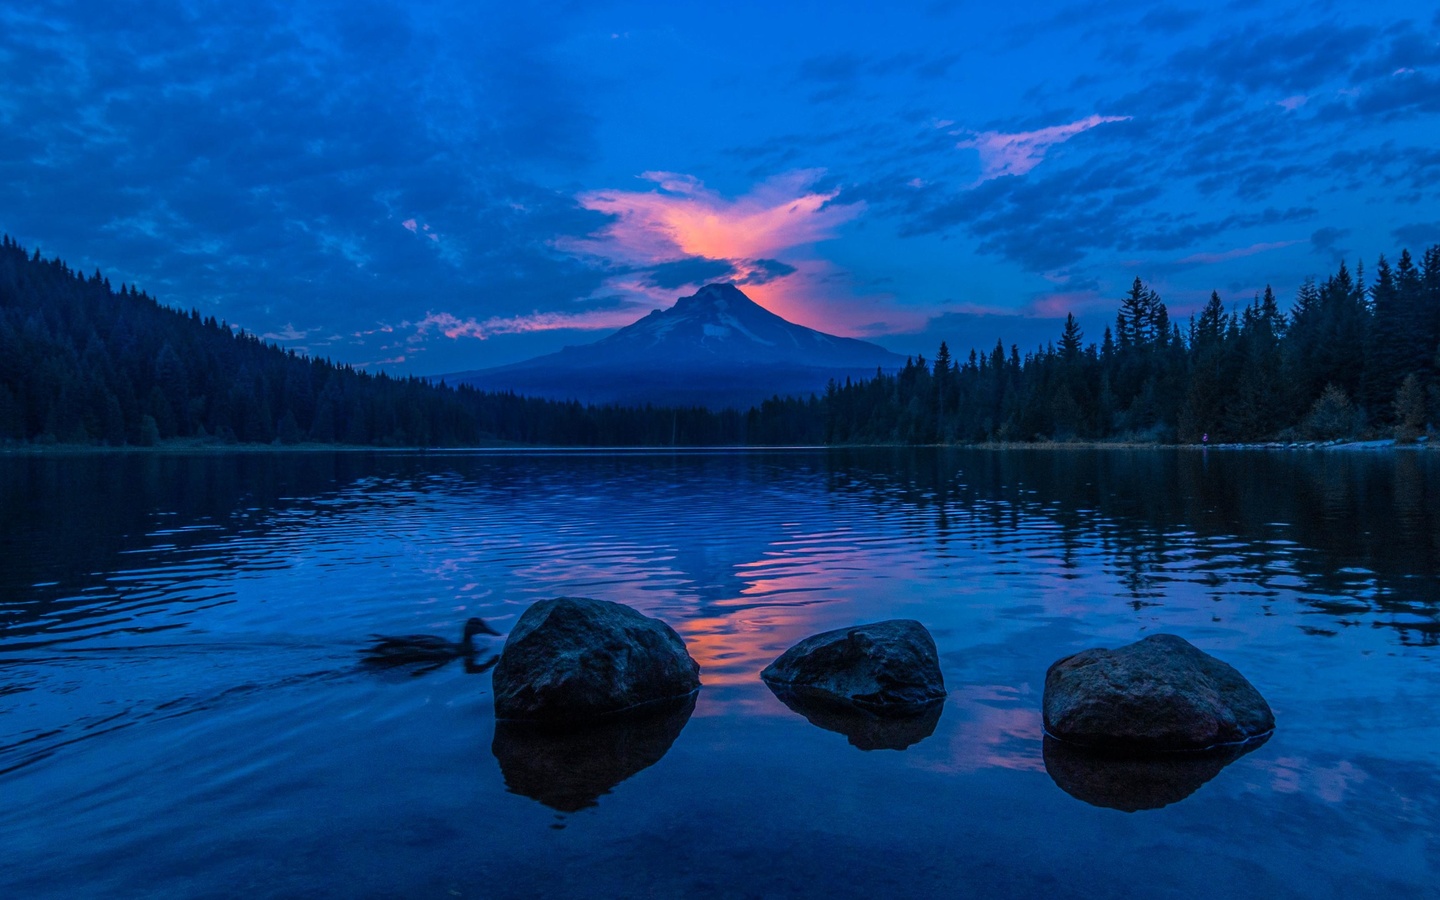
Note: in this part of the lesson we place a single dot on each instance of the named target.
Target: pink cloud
(366, 332)
(288, 333)
(683, 219)
(1057, 305)
(414, 226)
(1292, 103)
(686, 219)
(1205, 259)
(454, 327)
(820, 295)
(1016, 154)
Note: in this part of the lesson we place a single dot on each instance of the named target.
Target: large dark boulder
(888, 668)
(1157, 695)
(572, 660)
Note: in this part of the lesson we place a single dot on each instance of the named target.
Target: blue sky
(456, 186)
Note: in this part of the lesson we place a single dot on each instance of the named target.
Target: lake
(183, 712)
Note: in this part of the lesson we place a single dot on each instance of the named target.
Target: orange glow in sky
(682, 219)
(686, 219)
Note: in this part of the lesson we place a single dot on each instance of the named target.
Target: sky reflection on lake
(182, 710)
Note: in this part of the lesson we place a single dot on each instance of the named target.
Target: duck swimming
(408, 649)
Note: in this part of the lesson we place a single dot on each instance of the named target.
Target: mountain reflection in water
(1360, 530)
(182, 707)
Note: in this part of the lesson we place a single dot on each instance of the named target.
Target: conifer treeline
(83, 363)
(1349, 359)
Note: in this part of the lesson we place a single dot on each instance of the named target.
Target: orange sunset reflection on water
(747, 555)
(243, 637)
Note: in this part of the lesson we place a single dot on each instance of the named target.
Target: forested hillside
(1349, 359)
(83, 363)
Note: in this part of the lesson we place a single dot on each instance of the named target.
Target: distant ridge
(715, 348)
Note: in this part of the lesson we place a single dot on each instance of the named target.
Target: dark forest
(84, 363)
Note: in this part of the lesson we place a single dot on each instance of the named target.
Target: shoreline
(211, 447)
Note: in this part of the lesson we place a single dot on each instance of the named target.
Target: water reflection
(571, 770)
(421, 653)
(391, 671)
(154, 604)
(1356, 527)
(743, 553)
(862, 728)
(121, 543)
(1131, 784)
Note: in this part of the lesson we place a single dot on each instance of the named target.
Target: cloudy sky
(461, 185)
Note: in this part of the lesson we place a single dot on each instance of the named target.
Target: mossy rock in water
(1157, 695)
(572, 660)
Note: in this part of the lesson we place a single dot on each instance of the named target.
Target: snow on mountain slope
(715, 347)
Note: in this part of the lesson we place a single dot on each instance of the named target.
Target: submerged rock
(865, 730)
(1132, 783)
(572, 660)
(1157, 695)
(887, 668)
(570, 770)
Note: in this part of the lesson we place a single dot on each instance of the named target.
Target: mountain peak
(718, 296)
(719, 290)
(722, 342)
(716, 320)
(720, 323)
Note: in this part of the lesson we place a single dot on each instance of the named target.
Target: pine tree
(1331, 416)
(149, 431)
(1414, 347)
(1210, 329)
(1132, 323)
(1071, 339)
(1384, 345)
(1410, 409)
(287, 430)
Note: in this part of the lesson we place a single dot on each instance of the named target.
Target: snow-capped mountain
(719, 323)
(715, 348)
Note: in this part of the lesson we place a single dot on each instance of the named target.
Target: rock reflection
(570, 770)
(862, 728)
(1131, 784)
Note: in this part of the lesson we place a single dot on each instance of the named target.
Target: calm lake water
(182, 712)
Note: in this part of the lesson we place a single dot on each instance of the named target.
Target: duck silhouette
(430, 651)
